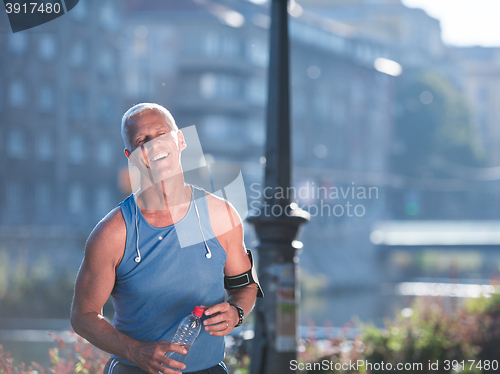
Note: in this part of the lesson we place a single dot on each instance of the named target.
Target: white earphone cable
(138, 257)
(208, 254)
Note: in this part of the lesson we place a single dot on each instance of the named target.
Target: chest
(166, 217)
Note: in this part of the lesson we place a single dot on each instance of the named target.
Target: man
(135, 255)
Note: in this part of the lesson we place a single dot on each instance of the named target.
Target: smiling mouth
(159, 157)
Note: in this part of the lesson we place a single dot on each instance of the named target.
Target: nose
(150, 143)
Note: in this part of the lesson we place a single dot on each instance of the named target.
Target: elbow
(75, 319)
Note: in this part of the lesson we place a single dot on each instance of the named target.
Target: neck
(164, 195)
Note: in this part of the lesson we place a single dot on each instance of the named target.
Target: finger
(171, 347)
(171, 363)
(218, 327)
(216, 319)
(217, 308)
(168, 347)
(222, 332)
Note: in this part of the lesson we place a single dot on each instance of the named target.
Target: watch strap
(241, 314)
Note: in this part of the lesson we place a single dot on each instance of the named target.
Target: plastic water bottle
(188, 330)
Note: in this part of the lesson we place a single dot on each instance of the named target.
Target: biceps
(93, 286)
(237, 262)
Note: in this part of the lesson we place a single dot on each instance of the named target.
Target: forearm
(244, 297)
(223, 317)
(95, 329)
(150, 357)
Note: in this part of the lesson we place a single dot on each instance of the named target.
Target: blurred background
(395, 133)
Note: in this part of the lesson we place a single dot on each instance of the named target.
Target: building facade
(60, 107)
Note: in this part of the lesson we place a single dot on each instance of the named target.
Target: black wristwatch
(241, 314)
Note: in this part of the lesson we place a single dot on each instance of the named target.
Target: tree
(434, 123)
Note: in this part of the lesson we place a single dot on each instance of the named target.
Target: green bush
(487, 318)
(79, 357)
(431, 335)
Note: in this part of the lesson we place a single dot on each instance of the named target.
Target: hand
(223, 319)
(150, 357)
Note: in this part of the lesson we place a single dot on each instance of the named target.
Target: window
(76, 150)
(299, 104)
(339, 111)
(80, 11)
(216, 128)
(17, 94)
(321, 107)
(18, 42)
(103, 200)
(107, 110)
(132, 83)
(258, 51)
(16, 144)
(255, 130)
(104, 153)
(47, 47)
(144, 85)
(140, 46)
(78, 54)
(46, 101)
(211, 44)
(44, 150)
(76, 199)
(207, 86)
(13, 195)
(218, 85)
(78, 105)
(108, 16)
(42, 196)
(256, 91)
(230, 45)
(105, 62)
(217, 45)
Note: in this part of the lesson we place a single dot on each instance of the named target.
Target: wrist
(131, 349)
(240, 314)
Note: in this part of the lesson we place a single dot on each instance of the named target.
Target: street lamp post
(278, 222)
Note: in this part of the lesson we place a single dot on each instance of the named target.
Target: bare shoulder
(226, 222)
(228, 228)
(222, 214)
(108, 238)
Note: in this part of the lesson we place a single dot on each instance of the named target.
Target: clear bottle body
(188, 330)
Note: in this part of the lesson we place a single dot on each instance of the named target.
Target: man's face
(154, 146)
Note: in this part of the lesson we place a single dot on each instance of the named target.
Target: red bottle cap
(197, 311)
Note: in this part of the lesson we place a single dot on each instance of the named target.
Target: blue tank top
(150, 298)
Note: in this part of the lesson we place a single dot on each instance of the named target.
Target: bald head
(139, 109)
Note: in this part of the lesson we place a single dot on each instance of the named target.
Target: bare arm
(228, 229)
(94, 283)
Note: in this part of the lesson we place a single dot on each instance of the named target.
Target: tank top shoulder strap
(200, 199)
(127, 207)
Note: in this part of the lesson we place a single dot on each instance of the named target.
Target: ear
(182, 141)
(128, 154)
